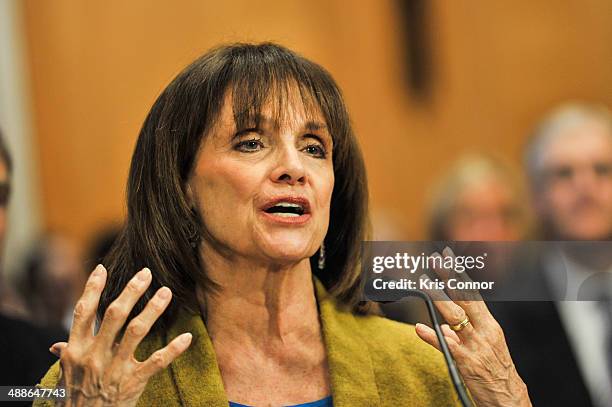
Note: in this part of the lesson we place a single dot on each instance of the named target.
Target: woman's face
(264, 192)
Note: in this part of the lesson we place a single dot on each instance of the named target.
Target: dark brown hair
(161, 224)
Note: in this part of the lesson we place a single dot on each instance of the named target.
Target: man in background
(24, 354)
(563, 349)
(569, 165)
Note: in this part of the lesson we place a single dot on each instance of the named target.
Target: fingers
(455, 315)
(162, 358)
(86, 306)
(140, 325)
(118, 311)
(94, 368)
(470, 300)
(452, 313)
(57, 348)
(428, 335)
(450, 333)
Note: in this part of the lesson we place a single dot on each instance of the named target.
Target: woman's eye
(249, 146)
(316, 150)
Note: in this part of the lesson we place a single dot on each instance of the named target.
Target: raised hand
(95, 369)
(477, 344)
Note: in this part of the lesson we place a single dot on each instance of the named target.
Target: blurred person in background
(24, 347)
(11, 304)
(480, 198)
(52, 280)
(569, 166)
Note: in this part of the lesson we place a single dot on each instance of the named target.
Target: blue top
(326, 402)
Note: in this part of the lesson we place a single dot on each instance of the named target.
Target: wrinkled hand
(479, 348)
(95, 370)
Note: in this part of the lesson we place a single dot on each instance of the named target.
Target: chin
(289, 251)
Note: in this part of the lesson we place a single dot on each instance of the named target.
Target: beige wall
(97, 66)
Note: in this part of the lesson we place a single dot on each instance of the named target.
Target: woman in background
(479, 199)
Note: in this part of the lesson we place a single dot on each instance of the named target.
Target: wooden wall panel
(97, 66)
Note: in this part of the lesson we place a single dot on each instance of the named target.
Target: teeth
(286, 209)
(288, 205)
(286, 214)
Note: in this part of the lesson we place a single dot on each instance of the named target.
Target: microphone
(448, 358)
(397, 295)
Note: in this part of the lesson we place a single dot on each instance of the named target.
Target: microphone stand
(450, 363)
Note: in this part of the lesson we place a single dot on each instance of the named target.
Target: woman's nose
(289, 167)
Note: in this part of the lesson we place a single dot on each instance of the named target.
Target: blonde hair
(469, 170)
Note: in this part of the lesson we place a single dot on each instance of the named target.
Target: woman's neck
(260, 305)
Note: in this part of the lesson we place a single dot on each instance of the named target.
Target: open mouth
(286, 209)
(289, 208)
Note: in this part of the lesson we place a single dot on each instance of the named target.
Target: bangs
(274, 79)
(277, 97)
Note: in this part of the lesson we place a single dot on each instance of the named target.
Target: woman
(479, 199)
(247, 201)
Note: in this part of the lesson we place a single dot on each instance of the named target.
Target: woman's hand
(97, 371)
(478, 346)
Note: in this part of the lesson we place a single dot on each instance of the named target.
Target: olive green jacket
(372, 361)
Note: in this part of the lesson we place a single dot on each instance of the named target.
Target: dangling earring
(194, 236)
(322, 256)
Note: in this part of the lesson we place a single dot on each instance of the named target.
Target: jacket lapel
(196, 373)
(195, 378)
(351, 372)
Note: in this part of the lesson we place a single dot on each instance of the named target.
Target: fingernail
(143, 274)
(164, 293)
(186, 338)
(98, 271)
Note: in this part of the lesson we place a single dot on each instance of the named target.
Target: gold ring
(460, 325)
